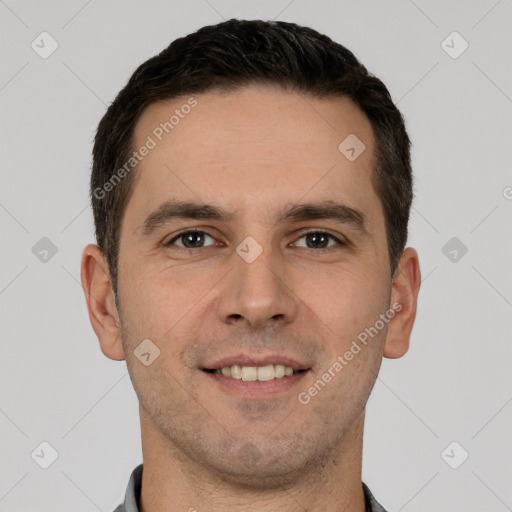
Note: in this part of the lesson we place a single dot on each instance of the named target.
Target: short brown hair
(227, 56)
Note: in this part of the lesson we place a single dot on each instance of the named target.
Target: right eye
(191, 239)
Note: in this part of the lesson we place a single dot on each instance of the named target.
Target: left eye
(195, 240)
(318, 239)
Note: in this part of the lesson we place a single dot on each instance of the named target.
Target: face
(262, 280)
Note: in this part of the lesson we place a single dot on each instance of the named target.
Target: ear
(404, 293)
(100, 299)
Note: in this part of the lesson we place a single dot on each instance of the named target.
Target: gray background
(453, 385)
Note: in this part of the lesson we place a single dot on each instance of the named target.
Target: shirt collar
(131, 500)
(132, 497)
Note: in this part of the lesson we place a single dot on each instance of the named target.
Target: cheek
(346, 300)
(159, 299)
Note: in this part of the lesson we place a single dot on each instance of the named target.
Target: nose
(258, 294)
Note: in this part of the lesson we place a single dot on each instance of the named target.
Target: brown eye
(319, 240)
(192, 239)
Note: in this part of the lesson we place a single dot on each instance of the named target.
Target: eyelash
(196, 231)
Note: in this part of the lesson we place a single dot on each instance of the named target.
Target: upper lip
(254, 360)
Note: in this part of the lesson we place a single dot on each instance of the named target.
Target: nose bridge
(256, 288)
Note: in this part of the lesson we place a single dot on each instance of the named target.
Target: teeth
(236, 372)
(266, 372)
(253, 373)
(249, 373)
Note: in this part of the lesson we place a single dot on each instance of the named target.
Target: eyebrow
(327, 210)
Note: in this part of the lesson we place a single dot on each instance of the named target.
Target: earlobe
(99, 296)
(404, 299)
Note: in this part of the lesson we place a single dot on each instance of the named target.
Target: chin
(259, 466)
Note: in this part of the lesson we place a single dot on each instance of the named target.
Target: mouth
(255, 373)
(256, 381)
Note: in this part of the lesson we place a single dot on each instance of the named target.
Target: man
(251, 189)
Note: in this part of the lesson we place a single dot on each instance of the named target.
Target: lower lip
(257, 389)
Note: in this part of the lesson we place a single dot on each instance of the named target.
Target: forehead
(252, 149)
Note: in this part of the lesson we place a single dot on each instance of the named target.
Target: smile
(255, 373)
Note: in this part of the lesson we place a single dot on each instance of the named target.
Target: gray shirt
(131, 500)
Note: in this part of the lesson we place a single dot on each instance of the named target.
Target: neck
(171, 481)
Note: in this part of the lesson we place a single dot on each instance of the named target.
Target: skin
(252, 151)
